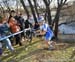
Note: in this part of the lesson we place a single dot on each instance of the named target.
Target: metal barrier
(15, 34)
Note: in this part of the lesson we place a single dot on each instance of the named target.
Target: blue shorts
(49, 38)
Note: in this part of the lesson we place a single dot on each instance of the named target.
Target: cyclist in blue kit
(47, 32)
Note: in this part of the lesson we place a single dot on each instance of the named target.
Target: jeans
(7, 43)
(1, 51)
(0, 48)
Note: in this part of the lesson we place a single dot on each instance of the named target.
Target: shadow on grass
(22, 48)
(63, 45)
(18, 51)
(30, 54)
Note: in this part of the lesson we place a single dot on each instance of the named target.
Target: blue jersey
(49, 33)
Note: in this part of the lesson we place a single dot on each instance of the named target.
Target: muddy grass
(64, 52)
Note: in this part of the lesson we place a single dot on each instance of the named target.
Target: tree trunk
(33, 12)
(25, 8)
(48, 11)
(49, 15)
(56, 20)
(17, 5)
(35, 4)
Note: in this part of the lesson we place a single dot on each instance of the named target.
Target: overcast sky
(40, 2)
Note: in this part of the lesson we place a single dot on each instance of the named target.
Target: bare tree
(2, 9)
(35, 6)
(6, 4)
(48, 11)
(25, 8)
(60, 4)
(17, 4)
(32, 10)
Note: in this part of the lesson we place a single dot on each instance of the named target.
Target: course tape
(14, 34)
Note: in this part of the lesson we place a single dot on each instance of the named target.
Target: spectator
(4, 30)
(20, 21)
(27, 25)
(14, 26)
(31, 20)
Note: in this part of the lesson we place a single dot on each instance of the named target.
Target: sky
(40, 2)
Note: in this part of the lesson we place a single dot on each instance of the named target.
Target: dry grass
(33, 53)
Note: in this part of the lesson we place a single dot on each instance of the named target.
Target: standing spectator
(14, 26)
(27, 25)
(31, 21)
(33, 24)
(4, 30)
(20, 21)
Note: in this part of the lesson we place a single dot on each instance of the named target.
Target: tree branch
(58, 2)
(64, 2)
(49, 1)
(25, 8)
(33, 11)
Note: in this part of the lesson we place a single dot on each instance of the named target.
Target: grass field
(64, 52)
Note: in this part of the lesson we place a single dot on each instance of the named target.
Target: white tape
(15, 34)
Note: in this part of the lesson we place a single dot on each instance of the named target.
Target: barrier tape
(14, 34)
